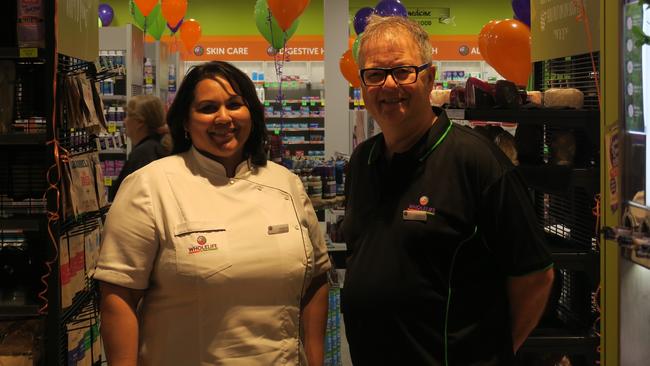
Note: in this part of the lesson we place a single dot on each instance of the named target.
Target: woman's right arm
(119, 323)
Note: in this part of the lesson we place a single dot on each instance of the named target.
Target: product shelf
(568, 341)
(540, 116)
(566, 255)
(121, 98)
(298, 117)
(13, 312)
(23, 139)
(558, 179)
(24, 53)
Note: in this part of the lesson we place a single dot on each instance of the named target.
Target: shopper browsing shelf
(149, 134)
(213, 255)
(447, 265)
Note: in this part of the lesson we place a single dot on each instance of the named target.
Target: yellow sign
(78, 29)
(112, 127)
(561, 28)
(28, 52)
(108, 181)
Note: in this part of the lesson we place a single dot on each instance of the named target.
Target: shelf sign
(28, 52)
(112, 127)
(561, 28)
(108, 181)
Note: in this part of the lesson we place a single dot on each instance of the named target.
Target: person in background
(213, 256)
(447, 265)
(146, 127)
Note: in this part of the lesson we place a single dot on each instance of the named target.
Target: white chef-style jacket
(224, 261)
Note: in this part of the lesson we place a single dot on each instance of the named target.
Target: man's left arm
(527, 296)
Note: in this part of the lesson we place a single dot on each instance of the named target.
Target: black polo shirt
(468, 225)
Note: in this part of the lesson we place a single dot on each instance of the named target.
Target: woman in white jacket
(213, 255)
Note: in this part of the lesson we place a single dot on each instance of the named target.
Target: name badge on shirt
(278, 229)
(413, 215)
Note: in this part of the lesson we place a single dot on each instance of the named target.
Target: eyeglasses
(402, 75)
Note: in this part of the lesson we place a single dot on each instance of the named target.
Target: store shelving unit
(31, 218)
(126, 42)
(564, 198)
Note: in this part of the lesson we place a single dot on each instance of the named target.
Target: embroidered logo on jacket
(202, 246)
(422, 206)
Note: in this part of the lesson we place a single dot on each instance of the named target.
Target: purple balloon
(387, 8)
(105, 14)
(522, 11)
(361, 19)
(175, 29)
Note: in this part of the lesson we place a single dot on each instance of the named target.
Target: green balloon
(156, 24)
(138, 18)
(355, 48)
(271, 31)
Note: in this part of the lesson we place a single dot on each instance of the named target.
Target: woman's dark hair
(179, 111)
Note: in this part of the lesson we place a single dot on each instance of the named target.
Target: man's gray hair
(378, 27)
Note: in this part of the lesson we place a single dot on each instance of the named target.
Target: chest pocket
(202, 248)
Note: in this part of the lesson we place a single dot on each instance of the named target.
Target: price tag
(30, 52)
(322, 102)
(112, 127)
(108, 181)
(267, 103)
(304, 103)
(294, 85)
(313, 103)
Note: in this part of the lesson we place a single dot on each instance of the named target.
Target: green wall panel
(235, 17)
(228, 17)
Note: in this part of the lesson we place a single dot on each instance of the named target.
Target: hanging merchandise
(30, 26)
(286, 12)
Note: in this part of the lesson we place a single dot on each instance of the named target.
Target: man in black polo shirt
(447, 265)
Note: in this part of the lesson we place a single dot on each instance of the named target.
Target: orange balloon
(173, 10)
(483, 38)
(286, 11)
(146, 6)
(351, 42)
(508, 48)
(349, 69)
(190, 33)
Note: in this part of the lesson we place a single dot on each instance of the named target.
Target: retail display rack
(566, 200)
(43, 319)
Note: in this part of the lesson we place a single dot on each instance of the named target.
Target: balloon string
(582, 16)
